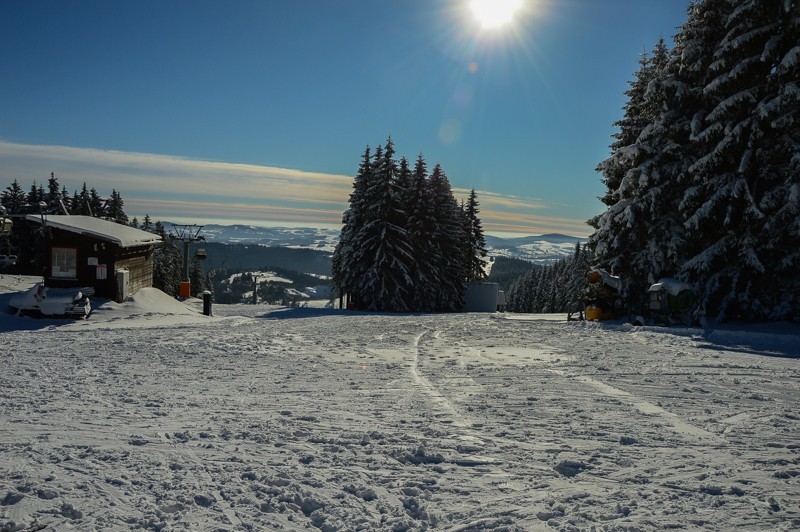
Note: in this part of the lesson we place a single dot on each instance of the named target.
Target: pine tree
(448, 235)
(115, 209)
(66, 200)
(159, 229)
(147, 223)
(97, 205)
(638, 115)
(196, 276)
(53, 196)
(14, 198)
(383, 239)
(81, 204)
(640, 205)
(35, 197)
(167, 263)
(475, 248)
(709, 187)
(420, 226)
(742, 203)
(346, 264)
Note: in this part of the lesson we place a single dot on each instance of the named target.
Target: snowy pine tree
(626, 238)
(448, 236)
(53, 195)
(558, 287)
(347, 266)
(14, 198)
(167, 263)
(475, 248)
(708, 191)
(383, 240)
(420, 226)
(741, 208)
(115, 209)
(402, 242)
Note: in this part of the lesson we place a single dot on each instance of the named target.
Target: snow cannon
(604, 302)
(670, 300)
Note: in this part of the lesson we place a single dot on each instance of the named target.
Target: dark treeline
(25, 241)
(703, 181)
(55, 199)
(407, 244)
(559, 287)
(506, 270)
(235, 258)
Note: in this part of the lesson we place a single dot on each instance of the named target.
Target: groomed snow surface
(149, 415)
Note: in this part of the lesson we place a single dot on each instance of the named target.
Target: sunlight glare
(495, 13)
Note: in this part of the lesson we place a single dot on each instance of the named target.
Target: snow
(122, 235)
(149, 415)
(791, 58)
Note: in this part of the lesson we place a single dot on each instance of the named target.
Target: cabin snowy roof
(121, 235)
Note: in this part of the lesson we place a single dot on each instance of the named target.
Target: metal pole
(186, 260)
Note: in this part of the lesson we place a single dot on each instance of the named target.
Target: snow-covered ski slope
(149, 415)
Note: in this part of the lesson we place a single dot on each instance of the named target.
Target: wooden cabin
(113, 259)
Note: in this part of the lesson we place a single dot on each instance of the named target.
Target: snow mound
(147, 307)
(154, 300)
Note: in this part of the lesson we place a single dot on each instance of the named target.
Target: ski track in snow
(307, 421)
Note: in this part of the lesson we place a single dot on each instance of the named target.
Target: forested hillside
(244, 257)
(559, 287)
(506, 270)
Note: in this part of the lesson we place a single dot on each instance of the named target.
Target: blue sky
(259, 111)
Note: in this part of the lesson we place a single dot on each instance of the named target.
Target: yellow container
(595, 313)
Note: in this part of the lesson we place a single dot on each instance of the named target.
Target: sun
(494, 13)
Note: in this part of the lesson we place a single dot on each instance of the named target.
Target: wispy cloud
(169, 187)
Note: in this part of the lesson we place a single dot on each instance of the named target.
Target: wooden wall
(140, 264)
(137, 260)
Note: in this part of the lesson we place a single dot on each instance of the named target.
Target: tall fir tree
(624, 233)
(709, 188)
(14, 198)
(97, 205)
(449, 237)
(383, 240)
(346, 264)
(147, 223)
(115, 209)
(421, 225)
(81, 204)
(35, 197)
(167, 263)
(744, 188)
(53, 196)
(475, 247)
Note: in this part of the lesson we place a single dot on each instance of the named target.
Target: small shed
(481, 297)
(114, 259)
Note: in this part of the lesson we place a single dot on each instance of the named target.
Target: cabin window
(65, 263)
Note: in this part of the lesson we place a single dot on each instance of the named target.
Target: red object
(186, 289)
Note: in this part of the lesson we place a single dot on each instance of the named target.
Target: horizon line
(173, 186)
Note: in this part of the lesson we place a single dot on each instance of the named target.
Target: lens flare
(495, 13)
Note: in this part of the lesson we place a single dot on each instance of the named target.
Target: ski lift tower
(187, 234)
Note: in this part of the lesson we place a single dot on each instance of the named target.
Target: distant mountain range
(286, 237)
(542, 249)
